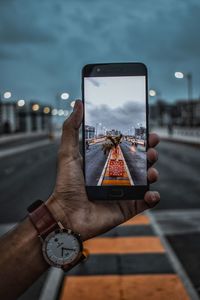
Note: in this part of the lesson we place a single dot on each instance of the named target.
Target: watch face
(61, 247)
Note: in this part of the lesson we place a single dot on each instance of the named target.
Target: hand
(69, 202)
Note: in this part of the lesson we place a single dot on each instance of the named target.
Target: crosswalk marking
(126, 287)
(124, 245)
(125, 266)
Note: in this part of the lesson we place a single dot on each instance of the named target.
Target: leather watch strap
(42, 218)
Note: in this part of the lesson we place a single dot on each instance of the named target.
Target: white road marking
(174, 259)
(23, 148)
(104, 169)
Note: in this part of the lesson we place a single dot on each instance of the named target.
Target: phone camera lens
(98, 69)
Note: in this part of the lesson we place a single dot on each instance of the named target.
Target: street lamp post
(188, 77)
(97, 124)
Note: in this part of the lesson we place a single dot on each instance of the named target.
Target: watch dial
(62, 248)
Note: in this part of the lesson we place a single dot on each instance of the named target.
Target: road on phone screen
(95, 161)
(135, 160)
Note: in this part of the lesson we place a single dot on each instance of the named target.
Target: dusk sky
(44, 44)
(115, 102)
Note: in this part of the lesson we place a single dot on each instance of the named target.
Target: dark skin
(21, 248)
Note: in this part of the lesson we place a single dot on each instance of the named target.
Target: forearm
(21, 260)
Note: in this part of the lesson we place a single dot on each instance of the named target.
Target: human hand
(69, 202)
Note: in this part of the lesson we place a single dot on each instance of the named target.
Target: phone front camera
(98, 69)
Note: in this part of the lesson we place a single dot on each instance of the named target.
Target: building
(8, 117)
(89, 132)
(113, 132)
(140, 132)
(180, 113)
(24, 119)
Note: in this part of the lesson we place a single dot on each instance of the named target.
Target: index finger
(153, 139)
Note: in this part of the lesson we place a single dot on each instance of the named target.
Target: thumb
(70, 131)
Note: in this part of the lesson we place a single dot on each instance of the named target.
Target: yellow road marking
(126, 287)
(145, 244)
(138, 220)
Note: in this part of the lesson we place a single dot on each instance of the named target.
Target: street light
(61, 112)
(152, 93)
(35, 107)
(178, 74)
(64, 96)
(188, 76)
(54, 112)
(21, 102)
(7, 95)
(46, 110)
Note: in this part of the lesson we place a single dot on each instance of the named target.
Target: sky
(115, 103)
(44, 44)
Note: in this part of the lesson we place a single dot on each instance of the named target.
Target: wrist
(57, 211)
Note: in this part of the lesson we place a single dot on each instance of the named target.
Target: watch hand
(63, 249)
(59, 244)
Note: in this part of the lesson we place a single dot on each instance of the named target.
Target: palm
(86, 217)
(76, 211)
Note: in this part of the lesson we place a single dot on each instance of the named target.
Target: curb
(183, 142)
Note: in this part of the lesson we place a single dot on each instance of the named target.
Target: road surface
(135, 159)
(31, 175)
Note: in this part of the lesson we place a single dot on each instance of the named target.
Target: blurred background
(43, 47)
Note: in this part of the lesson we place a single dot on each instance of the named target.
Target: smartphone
(115, 130)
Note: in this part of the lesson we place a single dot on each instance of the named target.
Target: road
(24, 178)
(136, 162)
(31, 175)
(179, 182)
(96, 160)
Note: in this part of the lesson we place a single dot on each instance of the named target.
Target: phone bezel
(106, 193)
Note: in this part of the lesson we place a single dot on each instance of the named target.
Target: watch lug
(60, 225)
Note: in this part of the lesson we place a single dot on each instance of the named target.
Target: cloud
(121, 118)
(47, 42)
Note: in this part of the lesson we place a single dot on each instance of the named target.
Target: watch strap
(44, 222)
(42, 219)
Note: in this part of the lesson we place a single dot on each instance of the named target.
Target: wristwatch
(61, 247)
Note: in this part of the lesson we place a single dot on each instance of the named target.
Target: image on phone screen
(115, 131)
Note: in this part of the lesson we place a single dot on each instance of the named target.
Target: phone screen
(115, 131)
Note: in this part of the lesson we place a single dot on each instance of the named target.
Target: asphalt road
(95, 161)
(31, 175)
(179, 182)
(24, 178)
(136, 162)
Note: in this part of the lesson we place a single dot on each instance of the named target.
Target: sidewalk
(12, 144)
(190, 136)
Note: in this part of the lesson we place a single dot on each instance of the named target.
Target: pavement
(175, 221)
(181, 135)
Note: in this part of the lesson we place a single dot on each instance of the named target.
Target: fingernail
(155, 197)
(76, 105)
